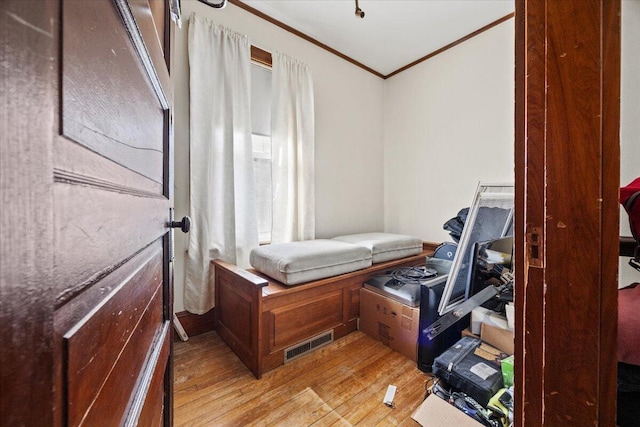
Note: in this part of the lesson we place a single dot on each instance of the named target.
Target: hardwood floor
(341, 384)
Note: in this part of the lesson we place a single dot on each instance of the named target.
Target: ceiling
(393, 33)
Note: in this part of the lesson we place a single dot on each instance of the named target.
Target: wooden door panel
(92, 249)
(109, 103)
(128, 316)
(112, 195)
(87, 176)
(128, 382)
(77, 165)
(85, 368)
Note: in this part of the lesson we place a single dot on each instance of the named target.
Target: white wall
(629, 101)
(449, 123)
(403, 154)
(349, 145)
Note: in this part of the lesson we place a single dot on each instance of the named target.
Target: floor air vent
(308, 345)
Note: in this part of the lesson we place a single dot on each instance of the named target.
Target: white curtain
(292, 139)
(221, 160)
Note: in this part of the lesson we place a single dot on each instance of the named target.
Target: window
(261, 138)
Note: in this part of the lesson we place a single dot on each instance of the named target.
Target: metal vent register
(308, 345)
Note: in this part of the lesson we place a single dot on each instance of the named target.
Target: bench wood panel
(295, 322)
(258, 317)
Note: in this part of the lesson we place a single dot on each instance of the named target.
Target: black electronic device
(430, 348)
(490, 217)
(490, 285)
(471, 368)
(430, 295)
(463, 310)
(403, 284)
(492, 266)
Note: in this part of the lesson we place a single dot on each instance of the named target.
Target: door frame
(567, 175)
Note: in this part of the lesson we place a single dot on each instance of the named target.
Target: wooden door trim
(567, 156)
(611, 82)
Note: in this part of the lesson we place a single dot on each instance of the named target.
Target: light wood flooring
(341, 384)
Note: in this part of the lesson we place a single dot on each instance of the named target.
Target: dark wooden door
(567, 182)
(87, 190)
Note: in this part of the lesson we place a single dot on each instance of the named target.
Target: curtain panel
(292, 142)
(222, 193)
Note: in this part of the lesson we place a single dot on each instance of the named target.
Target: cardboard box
(435, 412)
(390, 322)
(500, 338)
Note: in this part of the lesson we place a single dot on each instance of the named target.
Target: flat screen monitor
(490, 217)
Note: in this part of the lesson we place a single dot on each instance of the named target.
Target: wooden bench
(259, 317)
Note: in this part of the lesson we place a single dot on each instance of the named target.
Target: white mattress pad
(385, 246)
(300, 262)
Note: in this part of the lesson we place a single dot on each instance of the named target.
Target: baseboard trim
(196, 324)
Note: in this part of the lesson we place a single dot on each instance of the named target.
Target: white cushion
(299, 262)
(385, 246)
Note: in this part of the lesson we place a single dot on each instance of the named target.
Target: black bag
(471, 369)
(455, 225)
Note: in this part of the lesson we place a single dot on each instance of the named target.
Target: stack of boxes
(390, 304)
(390, 313)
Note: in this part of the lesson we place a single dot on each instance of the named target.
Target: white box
(510, 309)
(481, 315)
